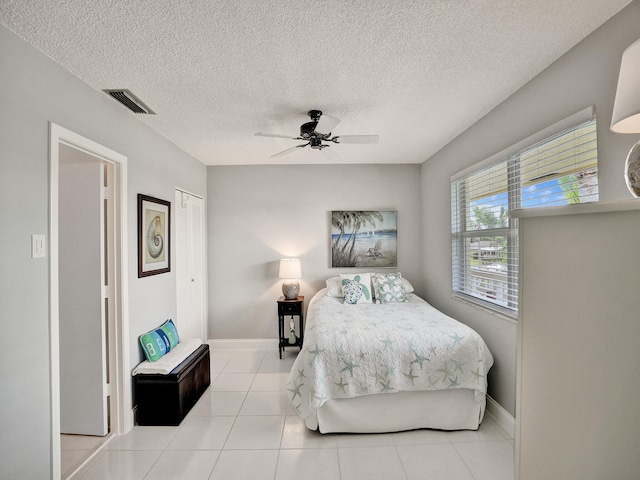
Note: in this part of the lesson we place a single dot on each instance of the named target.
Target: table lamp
(626, 112)
(290, 271)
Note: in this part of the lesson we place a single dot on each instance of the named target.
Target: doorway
(112, 393)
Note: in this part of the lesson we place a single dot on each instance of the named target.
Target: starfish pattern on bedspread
(341, 385)
(411, 376)
(349, 366)
(296, 391)
(419, 359)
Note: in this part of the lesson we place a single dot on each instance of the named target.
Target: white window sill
(593, 207)
(496, 310)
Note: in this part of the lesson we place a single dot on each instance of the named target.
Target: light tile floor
(244, 428)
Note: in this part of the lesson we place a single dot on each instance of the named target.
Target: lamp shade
(626, 109)
(290, 268)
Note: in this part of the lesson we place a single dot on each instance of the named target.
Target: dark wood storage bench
(166, 399)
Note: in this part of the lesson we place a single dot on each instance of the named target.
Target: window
(560, 169)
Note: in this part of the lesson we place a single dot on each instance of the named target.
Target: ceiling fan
(317, 131)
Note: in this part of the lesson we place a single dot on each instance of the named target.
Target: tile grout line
(464, 461)
(404, 469)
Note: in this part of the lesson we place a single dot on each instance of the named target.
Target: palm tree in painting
(349, 223)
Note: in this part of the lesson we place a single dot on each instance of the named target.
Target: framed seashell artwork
(632, 171)
(154, 236)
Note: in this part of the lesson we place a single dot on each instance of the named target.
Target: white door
(82, 294)
(189, 214)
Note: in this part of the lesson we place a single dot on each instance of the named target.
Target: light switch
(38, 246)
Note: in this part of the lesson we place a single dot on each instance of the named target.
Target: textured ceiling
(417, 73)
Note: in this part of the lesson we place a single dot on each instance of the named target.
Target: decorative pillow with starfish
(388, 288)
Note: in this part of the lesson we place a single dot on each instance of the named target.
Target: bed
(383, 367)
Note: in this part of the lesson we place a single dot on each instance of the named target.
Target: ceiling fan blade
(356, 139)
(326, 124)
(288, 150)
(260, 134)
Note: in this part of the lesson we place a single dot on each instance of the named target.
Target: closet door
(189, 214)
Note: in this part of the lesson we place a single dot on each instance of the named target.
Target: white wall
(579, 351)
(34, 90)
(586, 75)
(260, 214)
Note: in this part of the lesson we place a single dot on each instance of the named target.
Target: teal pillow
(160, 341)
(171, 332)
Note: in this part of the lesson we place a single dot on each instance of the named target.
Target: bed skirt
(455, 409)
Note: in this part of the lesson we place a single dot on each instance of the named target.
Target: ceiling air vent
(129, 100)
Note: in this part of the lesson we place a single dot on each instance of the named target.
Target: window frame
(461, 233)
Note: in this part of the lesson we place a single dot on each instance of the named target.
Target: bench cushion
(171, 360)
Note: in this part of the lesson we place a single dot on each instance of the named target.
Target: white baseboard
(239, 343)
(90, 460)
(500, 415)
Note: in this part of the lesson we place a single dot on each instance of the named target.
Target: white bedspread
(171, 360)
(365, 349)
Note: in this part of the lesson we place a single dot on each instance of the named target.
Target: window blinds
(560, 169)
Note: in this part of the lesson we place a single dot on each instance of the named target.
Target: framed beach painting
(154, 236)
(364, 238)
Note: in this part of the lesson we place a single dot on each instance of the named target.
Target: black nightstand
(291, 308)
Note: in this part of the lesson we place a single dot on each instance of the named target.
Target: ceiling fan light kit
(317, 131)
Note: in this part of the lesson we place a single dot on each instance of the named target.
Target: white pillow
(334, 287)
(363, 279)
(408, 288)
